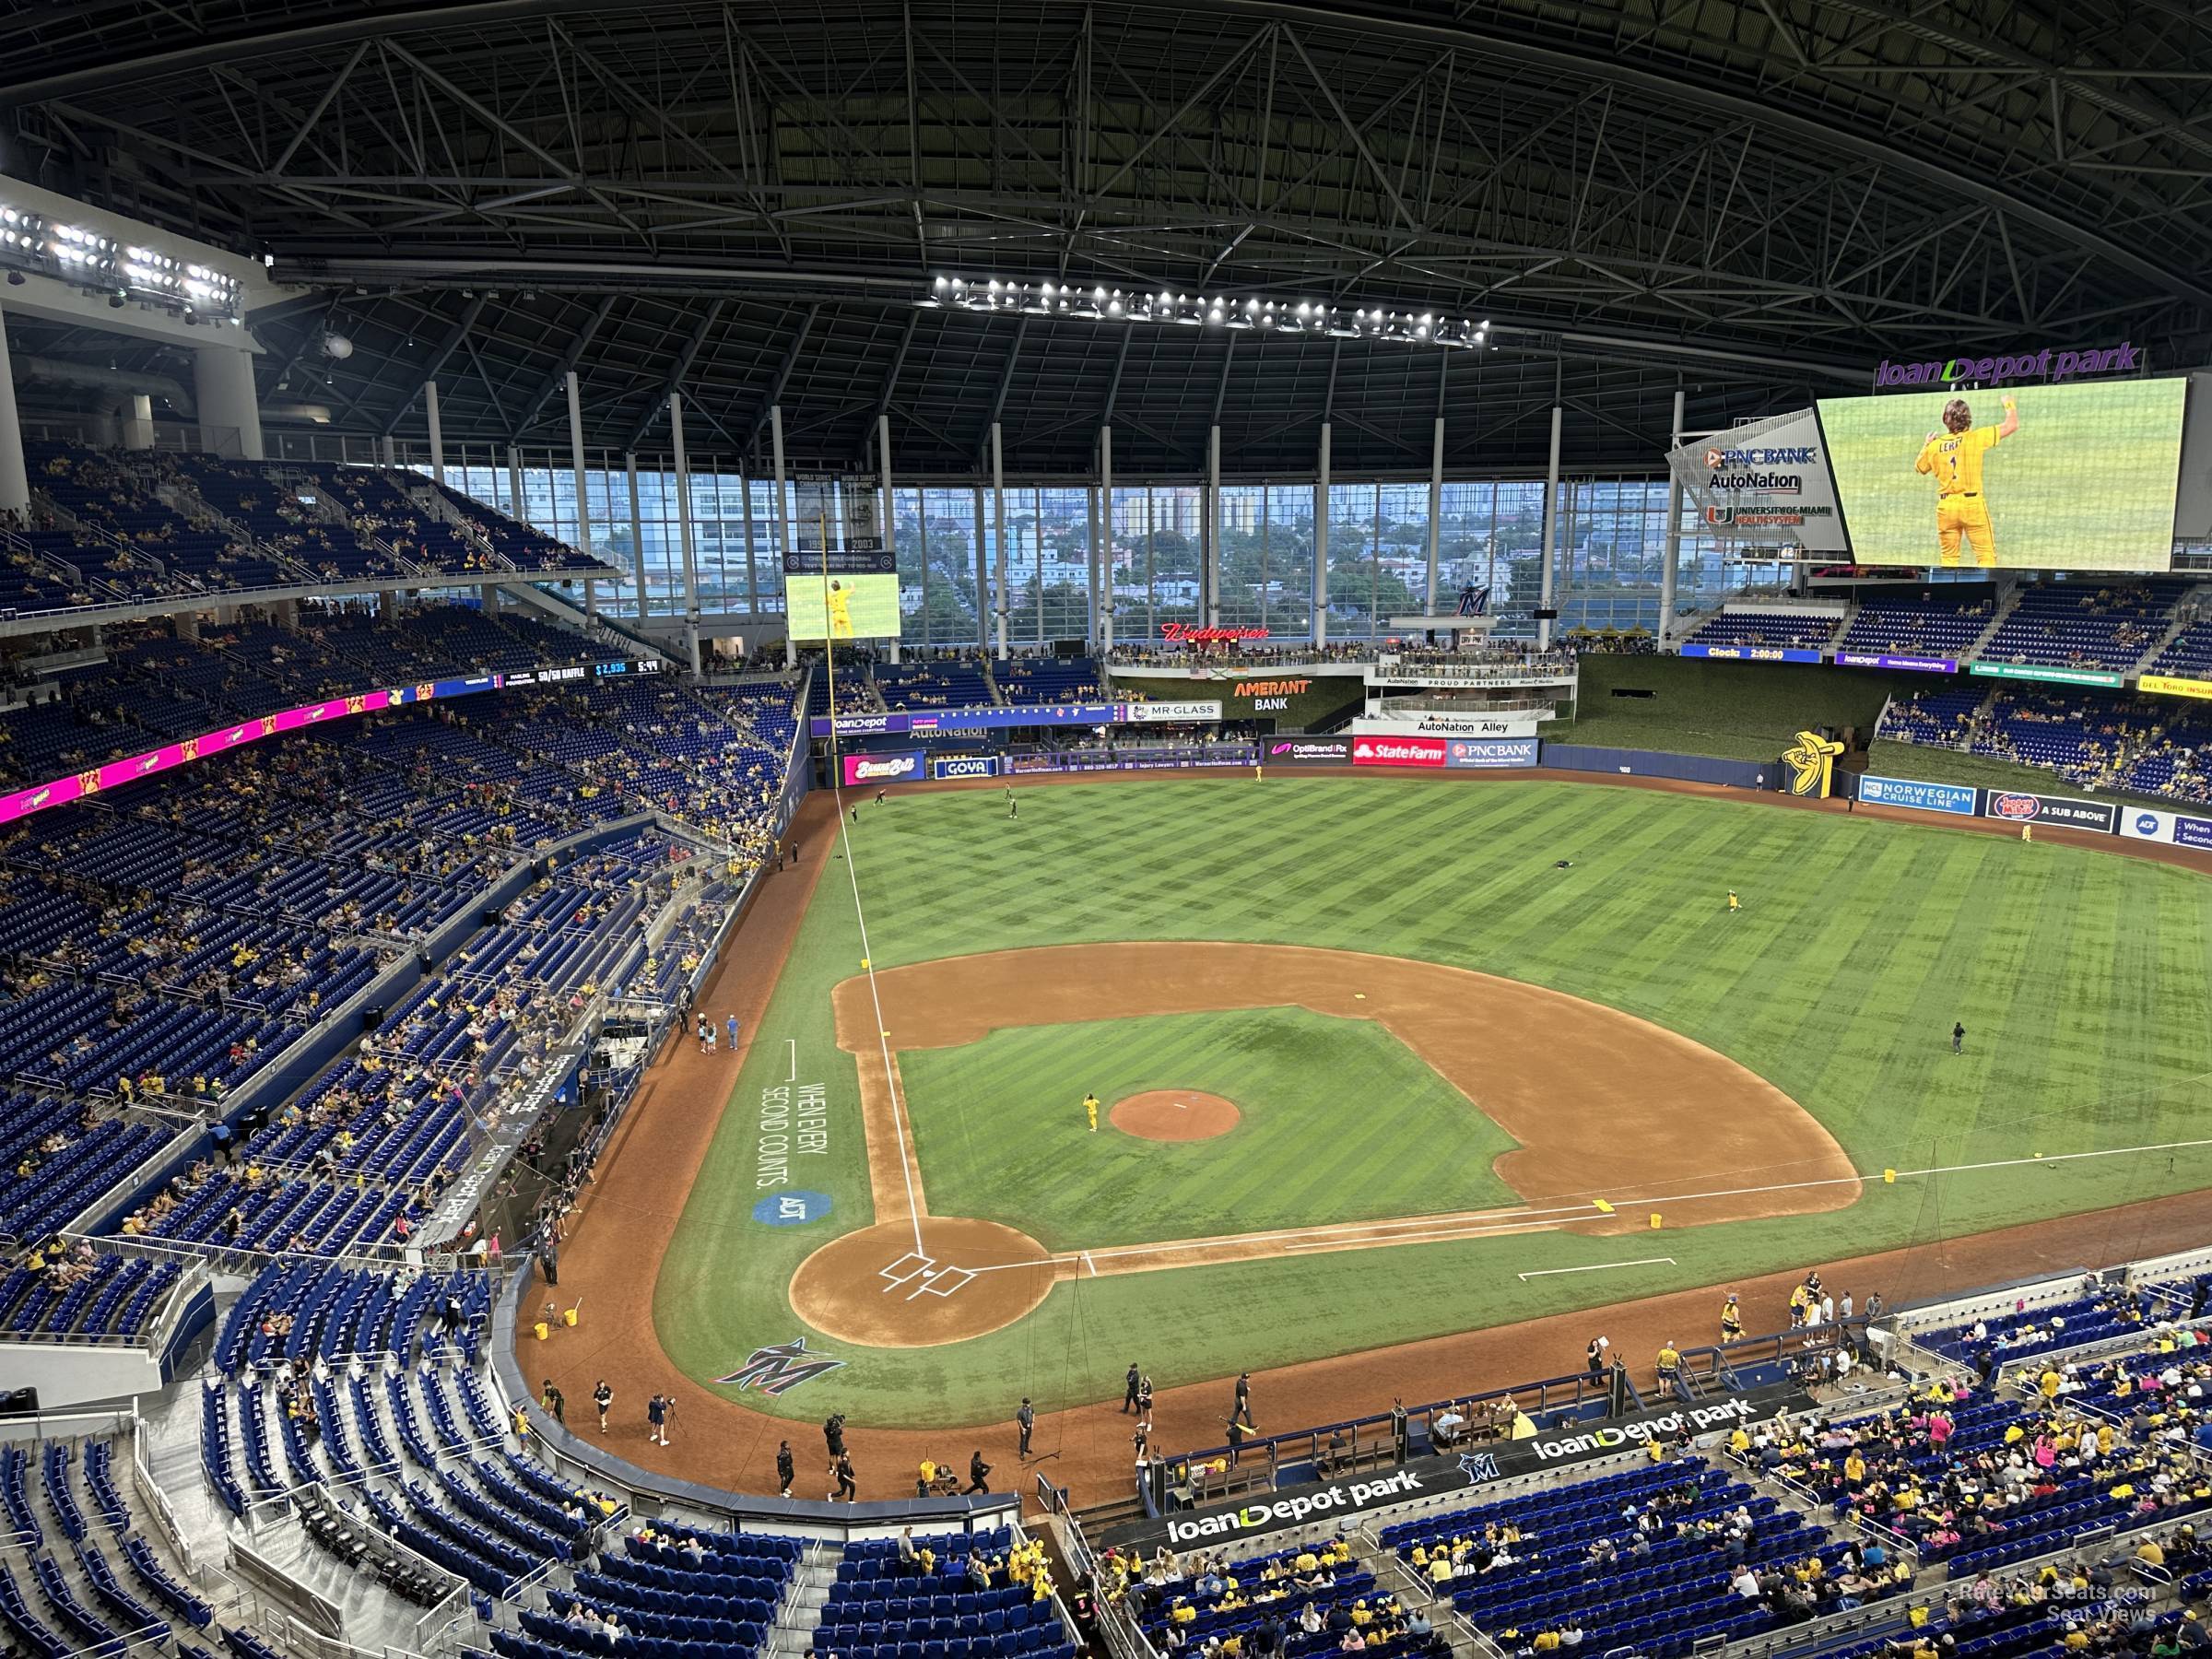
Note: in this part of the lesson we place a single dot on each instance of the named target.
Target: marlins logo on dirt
(779, 1370)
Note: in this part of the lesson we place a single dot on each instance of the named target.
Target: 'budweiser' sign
(1183, 633)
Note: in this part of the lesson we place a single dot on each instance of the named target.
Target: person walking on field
(657, 1415)
(1129, 1390)
(847, 1487)
(979, 1474)
(1091, 1111)
(1026, 1419)
(1244, 1398)
(833, 1434)
(602, 1396)
(785, 1469)
(1731, 1321)
(734, 1030)
(1958, 1038)
(1734, 904)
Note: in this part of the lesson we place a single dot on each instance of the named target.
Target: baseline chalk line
(1600, 1267)
(793, 1078)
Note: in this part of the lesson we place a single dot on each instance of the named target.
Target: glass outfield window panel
(1285, 574)
(1064, 563)
(1378, 555)
(1611, 546)
(1353, 572)
(1129, 563)
(948, 605)
(1266, 533)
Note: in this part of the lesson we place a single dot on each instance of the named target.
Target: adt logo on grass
(792, 1209)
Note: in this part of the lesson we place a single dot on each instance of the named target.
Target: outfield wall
(1646, 763)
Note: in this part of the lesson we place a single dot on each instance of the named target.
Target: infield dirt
(1173, 1114)
(624, 1222)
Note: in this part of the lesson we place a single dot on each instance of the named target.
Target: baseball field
(1380, 1058)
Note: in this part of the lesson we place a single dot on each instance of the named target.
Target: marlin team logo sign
(777, 1371)
(1812, 763)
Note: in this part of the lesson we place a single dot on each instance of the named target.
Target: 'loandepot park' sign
(2050, 363)
(1339, 1502)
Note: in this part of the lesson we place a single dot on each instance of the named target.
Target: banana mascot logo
(1812, 763)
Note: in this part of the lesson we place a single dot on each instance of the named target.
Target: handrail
(1411, 1581)
(241, 1259)
(157, 1500)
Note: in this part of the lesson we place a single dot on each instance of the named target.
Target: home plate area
(916, 1284)
(925, 1275)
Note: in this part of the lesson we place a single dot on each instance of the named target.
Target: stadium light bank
(124, 271)
(1199, 310)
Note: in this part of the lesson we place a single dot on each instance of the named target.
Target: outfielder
(1953, 458)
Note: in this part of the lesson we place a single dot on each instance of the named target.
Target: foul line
(1599, 1267)
(1433, 1235)
(794, 1041)
(868, 955)
(1420, 1229)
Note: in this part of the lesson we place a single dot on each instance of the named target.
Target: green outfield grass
(1002, 1134)
(2079, 975)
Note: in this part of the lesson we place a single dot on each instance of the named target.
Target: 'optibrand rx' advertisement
(1307, 751)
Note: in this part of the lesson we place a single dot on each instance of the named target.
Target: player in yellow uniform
(1953, 458)
(841, 611)
(1734, 904)
(1731, 1321)
(1091, 1111)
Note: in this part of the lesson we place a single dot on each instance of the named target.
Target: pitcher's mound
(1168, 1115)
(967, 1278)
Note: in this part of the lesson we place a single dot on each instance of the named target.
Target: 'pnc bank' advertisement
(2080, 477)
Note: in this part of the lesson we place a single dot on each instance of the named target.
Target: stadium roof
(745, 200)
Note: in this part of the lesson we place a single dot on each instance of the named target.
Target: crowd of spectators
(144, 525)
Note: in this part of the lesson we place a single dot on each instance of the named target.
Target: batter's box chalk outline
(905, 1270)
(942, 1282)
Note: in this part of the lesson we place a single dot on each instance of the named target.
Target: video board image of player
(855, 598)
(2078, 478)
